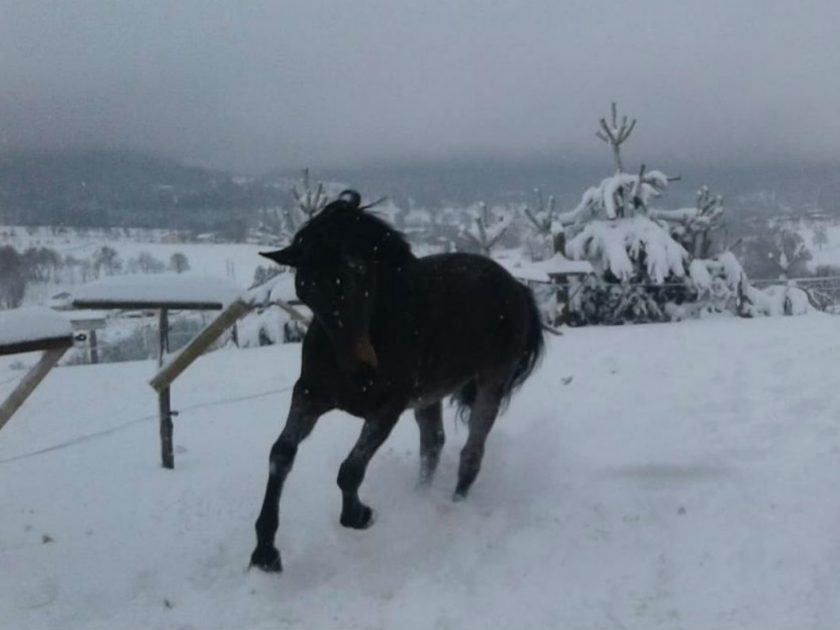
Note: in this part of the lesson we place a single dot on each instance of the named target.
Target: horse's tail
(533, 350)
(528, 360)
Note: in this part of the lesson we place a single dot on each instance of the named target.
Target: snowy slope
(235, 261)
(686, 477)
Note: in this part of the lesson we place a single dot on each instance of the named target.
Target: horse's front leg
(375, 431)
(303, 414)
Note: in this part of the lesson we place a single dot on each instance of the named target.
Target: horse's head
(341, 256)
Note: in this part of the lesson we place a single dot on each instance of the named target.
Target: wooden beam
(53, 343)
(29, 382)
(189, 353)
(140, 305)
(163, 335)
(94, 346)
(167, 451)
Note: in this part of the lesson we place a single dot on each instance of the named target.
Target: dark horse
(393, 331)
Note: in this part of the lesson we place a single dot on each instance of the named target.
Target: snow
(611, 244)
(31, 324)
(604, 199)
(235, 260)
(651, 476)
(539, 271)
(699, 274)
(771, 300)
(157, 289)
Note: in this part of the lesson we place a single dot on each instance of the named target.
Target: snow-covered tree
(649, 262)
(790, 252)
(546, 240)
(693, 227)
(307, 198)
(488, 227)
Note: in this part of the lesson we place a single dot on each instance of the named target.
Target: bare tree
(545, 220)
(107, 259)
(179, 263)
(12, 278)
(487, 229)
(820, 236)
(310, 201)
(615, 133)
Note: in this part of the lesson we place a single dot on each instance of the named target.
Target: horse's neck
(395, 290)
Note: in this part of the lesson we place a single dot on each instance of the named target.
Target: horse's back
(471, 313)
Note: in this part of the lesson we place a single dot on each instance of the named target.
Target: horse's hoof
(267, 559)
(459, 496)
(362, 518)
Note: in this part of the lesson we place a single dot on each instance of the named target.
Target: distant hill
(118, 188)
(124, 188)
(762, 188)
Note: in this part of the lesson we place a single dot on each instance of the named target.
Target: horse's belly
(423, 397)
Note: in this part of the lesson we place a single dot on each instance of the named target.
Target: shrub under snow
(615, 245)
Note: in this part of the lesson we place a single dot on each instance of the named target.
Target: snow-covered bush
(635, 248)
(778, 300)
(651, 264)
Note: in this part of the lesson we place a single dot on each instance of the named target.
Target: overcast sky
(251, 84)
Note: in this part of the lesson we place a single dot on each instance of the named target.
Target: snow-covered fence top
(33, 328)
(172, 291)
(545, 270)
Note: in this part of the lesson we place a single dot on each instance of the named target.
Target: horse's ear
(352, 198)
(288, 256)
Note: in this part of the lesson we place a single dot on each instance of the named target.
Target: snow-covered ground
(679, 476)
(235, 261)
(827, 253)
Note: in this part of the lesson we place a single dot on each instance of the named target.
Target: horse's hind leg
(430, 421)
(483, 414)
(303, 414)
(375, 431)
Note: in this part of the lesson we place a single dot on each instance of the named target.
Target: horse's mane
(345, 221)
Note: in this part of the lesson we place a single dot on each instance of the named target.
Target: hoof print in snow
(46, 538)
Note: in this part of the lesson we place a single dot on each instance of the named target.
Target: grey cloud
(256, 84)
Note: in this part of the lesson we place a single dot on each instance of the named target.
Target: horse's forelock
(341, 222)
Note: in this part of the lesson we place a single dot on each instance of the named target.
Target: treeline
(46, 266)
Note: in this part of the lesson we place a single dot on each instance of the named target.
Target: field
(236, 261)
(679, 476)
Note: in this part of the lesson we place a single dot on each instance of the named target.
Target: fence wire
(115, 429)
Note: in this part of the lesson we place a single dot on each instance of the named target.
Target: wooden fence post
(189, 353)
(167, 451)
(94, 347)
